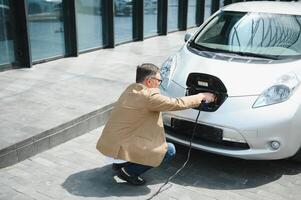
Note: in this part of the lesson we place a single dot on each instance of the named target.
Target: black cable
(187, 159)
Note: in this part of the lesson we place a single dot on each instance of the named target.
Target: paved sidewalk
(76, 170)
(53, 102)
(36, 100)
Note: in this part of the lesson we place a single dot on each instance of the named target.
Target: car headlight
(167, 71)
(281, 91)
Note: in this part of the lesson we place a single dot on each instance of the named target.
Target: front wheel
(297, 156)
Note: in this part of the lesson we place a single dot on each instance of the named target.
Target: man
(134, 131)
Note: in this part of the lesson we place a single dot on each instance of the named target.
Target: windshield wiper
(204, 48)
(248, 54)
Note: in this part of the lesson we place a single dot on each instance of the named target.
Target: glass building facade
(123, 20)
(172, 18)
(89, 24)
(208, 8)
(46, 29)
(6, 34)
(150, 17)
(191, 13)
(34, 31)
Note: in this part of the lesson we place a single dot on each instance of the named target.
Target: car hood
(240, 78)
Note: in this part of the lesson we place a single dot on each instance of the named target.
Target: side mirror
(187, 37)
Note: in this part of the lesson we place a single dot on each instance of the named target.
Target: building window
(208, 5)
(173, 7)
(221, 3)
(46, 28)
(150, 17)
(191, 15)
(6, 34)
(123, 20)
(89, 24)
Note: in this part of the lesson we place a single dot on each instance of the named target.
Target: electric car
(249, 55)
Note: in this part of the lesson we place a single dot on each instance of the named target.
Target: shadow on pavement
(100, 182)
(219, 172)
(204, 170)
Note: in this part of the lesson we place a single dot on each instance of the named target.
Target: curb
(53, 137)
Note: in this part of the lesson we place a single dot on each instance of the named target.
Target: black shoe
(116, 167)
(134, 180)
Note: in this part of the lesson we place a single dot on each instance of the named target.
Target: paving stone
(267, 194)
(20, 197)
(68, 172)
(31, 192)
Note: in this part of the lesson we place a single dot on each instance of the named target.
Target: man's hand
(207, 97)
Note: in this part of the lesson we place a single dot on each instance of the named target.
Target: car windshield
(265, 35)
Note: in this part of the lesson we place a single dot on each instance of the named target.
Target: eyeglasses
(159, 80)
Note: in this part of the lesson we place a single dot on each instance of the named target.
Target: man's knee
(171, 149)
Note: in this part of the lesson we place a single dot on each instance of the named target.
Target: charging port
(199, 82)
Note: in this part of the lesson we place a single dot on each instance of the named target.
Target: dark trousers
(138, 169)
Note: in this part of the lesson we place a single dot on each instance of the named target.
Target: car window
(254, 34)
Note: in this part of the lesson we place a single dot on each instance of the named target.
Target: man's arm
(158, 102)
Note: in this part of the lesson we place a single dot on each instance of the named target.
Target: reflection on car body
(255, 52)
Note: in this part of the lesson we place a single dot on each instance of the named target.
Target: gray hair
(146, 70)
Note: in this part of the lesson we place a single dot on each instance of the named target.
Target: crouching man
(134, 132)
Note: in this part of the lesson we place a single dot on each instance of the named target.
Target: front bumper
(247, 132)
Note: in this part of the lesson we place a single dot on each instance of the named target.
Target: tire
(297, 156)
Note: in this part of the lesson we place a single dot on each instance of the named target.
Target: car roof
(291, 8)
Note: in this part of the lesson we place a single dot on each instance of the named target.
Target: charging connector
(187, 159)
(198, 83)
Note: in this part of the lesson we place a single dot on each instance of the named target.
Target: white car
(249, 55)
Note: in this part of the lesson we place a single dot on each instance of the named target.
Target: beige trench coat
(134, 131)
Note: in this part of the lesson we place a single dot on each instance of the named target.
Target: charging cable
(187, 159)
